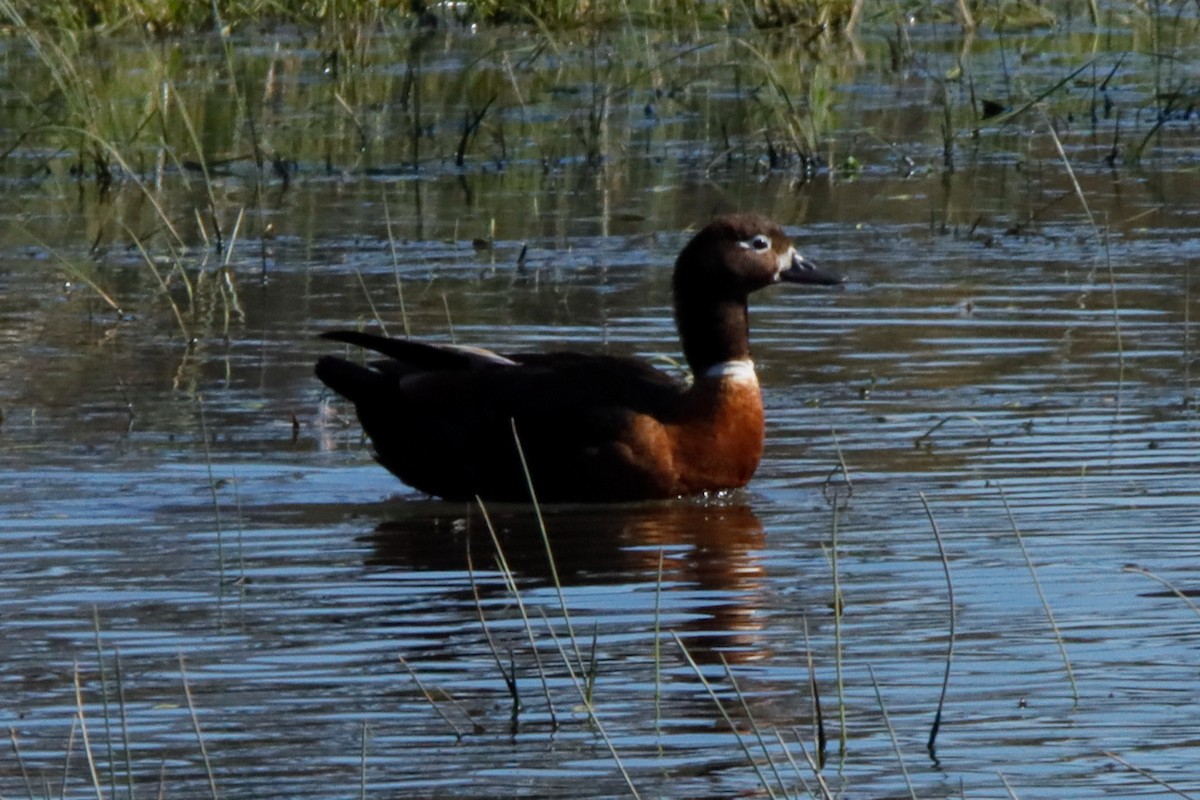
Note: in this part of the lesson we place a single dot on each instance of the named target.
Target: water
(184, 508)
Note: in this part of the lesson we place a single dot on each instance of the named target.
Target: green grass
(171, 17)
(175, 147)
(178, 16)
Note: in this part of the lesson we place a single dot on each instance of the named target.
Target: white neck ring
(738, 369)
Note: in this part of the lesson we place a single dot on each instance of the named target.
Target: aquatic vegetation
(181, 152)
(164, 17)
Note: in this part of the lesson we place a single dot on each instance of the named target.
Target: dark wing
(405, 357)
(442, 417)
(419, 355)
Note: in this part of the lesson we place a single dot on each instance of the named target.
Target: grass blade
(83, 732)
(187, 693)
(725, 715)
(1062, 647)
(887, 721)
(937, 717)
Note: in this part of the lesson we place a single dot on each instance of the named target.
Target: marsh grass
(123, 148)
(510, 583)
(133, 127)
(195, 719)
(774, 754)
(168, 18)
(778, 758)
(433, 702)
(838, 604)
(107, 747)
(838, 503)
(754, 762)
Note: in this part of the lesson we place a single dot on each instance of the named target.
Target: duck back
(452, 431)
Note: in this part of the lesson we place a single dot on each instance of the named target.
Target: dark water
(182, 506)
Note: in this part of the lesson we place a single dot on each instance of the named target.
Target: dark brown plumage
(592, 427)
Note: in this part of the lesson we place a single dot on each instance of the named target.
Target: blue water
(203, 516)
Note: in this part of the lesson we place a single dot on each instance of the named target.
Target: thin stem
(537, 510)
(187, 693)
(725, 715)
(937, 717)
(1147, 775)
(362, 762)
(887, 721)
(509, 680)
(591, 710)
(1062, 647)
(12, 735)
(1172, 587)
(511, 582)
(87, 743)
(458, 734)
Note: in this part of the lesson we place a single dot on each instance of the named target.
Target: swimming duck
(446, 419)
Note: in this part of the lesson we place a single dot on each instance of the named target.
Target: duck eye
(760, 243)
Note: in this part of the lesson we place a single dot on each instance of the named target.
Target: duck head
(737, 254)
(716, 271)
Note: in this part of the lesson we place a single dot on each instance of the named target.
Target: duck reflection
(712, 576)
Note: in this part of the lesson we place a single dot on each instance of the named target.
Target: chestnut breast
(717, 432)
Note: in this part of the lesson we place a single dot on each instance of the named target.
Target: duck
(462, 422)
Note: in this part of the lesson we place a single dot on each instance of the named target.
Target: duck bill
(799, 269)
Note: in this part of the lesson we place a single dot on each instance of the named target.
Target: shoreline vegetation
(163, 17)
(820, 17)
(183, 132)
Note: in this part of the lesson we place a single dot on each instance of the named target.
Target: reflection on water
(177, 484)
(707, 550)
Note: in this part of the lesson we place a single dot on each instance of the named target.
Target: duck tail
(354, 382)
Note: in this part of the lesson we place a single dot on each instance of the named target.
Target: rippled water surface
(208, 582)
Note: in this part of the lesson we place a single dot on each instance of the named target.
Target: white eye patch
(759, 243)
